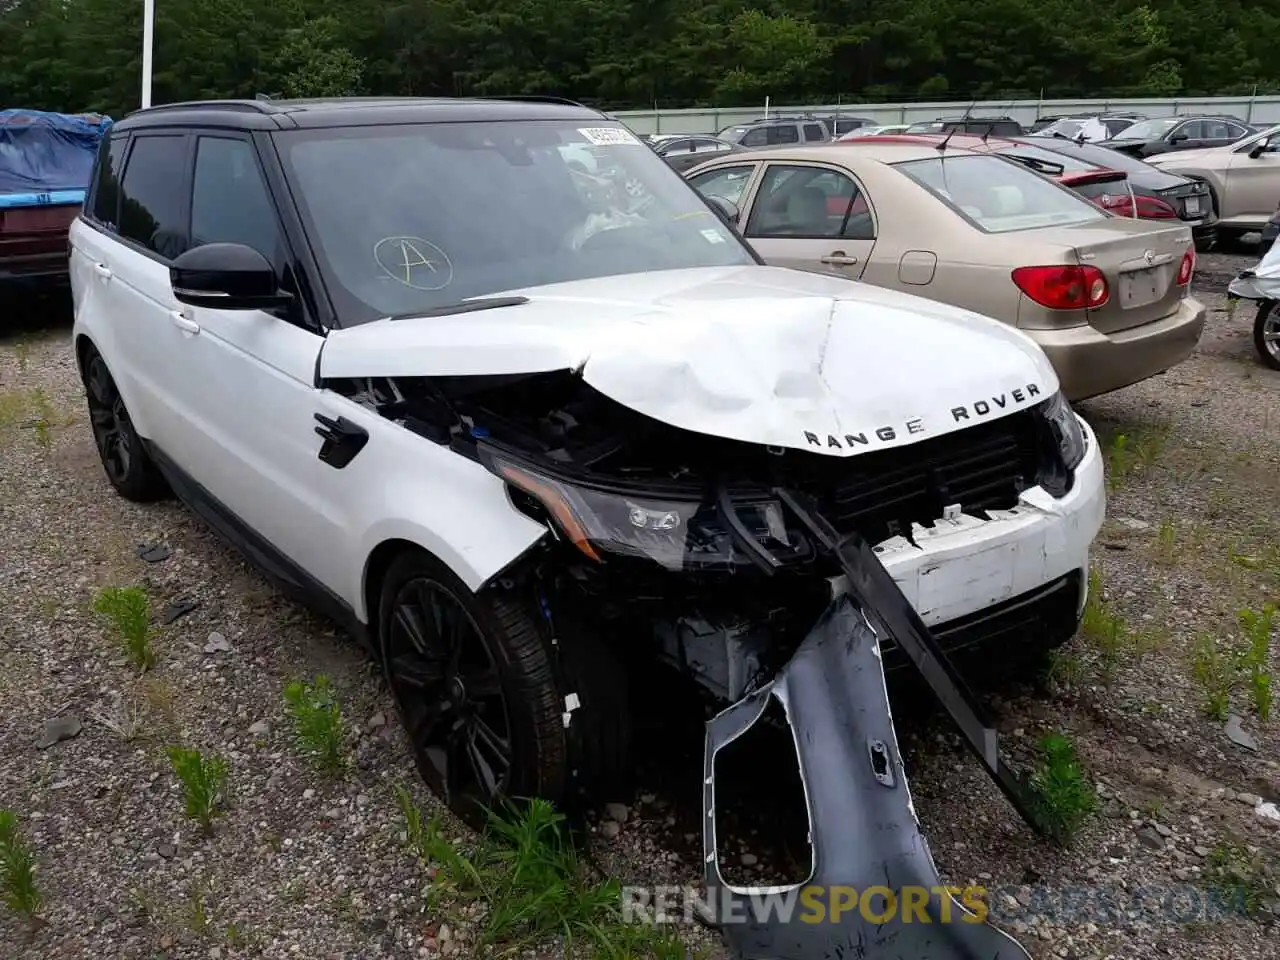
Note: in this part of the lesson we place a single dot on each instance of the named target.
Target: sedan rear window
(998, 195)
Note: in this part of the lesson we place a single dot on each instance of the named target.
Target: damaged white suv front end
(521, 410)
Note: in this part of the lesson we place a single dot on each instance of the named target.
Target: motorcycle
(1261, 285)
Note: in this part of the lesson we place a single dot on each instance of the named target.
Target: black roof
(353, 111)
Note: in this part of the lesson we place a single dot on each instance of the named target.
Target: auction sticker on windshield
(609, 136)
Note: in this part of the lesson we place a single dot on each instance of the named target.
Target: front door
(252, 377)
(811, 217)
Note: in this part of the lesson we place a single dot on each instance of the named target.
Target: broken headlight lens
(1066, 430)
(678, 532)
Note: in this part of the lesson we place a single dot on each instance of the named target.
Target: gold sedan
(1107, 298)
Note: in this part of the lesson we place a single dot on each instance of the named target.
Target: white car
(510, 430)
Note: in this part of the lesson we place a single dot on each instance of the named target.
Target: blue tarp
(47, 157)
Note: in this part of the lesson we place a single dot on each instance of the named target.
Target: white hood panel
(759, 354)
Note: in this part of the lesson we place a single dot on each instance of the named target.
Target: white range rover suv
(513, 423)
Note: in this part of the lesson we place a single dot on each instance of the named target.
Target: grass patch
(1133, 452)
(1165, 551)
(1238, 876)
(317, 720)
(128, 610)
(1221, 669)
(17, 869)
(526, 872)
(203, 781)
(1066, 795)
(1104, 629)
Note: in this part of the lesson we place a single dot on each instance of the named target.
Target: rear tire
(1267, 324)
(124, 459)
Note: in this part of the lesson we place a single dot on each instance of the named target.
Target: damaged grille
(981, 468)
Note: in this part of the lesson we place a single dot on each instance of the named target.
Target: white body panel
(1265, 282)
(758, 354)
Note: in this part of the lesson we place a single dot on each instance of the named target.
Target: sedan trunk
(1141, 265)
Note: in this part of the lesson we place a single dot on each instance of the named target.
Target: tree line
(73, 55)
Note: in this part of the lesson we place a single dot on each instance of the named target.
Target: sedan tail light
(1187, 268)
(1063, 287)
(1148, 208)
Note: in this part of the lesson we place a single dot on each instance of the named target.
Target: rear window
(997, 195)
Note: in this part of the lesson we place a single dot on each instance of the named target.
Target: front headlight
(678, 532)
(1066, 430)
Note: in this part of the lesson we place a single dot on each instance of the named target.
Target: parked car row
(983, 226)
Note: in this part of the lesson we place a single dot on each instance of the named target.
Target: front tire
(1266, 333)
(124, 459)
(475, 688)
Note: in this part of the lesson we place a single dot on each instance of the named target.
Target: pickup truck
(45, 164)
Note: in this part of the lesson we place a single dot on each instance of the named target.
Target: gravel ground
(304, 865)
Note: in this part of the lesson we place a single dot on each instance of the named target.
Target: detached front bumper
(965, 565)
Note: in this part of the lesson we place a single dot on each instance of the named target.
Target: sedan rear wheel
(1266, 333)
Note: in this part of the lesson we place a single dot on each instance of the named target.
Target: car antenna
(950, 133)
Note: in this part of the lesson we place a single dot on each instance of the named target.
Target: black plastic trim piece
(343, 440)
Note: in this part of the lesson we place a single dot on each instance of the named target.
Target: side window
(727, 182)
(1192, 130)
(809, 202)
(151, 195)
(1215, 130)
(756, 138)
(1235, 131)
(784, 133)
(230, 202)
(106, 184)
(813, 131)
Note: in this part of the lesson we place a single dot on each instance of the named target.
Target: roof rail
(248, 106)
(538, 98)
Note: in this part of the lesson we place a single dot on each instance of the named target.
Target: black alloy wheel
(112, 429)
(443, 672)
(124, 459)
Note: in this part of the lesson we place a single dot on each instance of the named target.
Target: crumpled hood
(759, 354)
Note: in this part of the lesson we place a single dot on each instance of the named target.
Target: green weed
(1064, 791)
(1238, 876)
(1134, 452)
(17, 869)
(526, 871)
(1166, 546)
(1212, 670)
(317, 719)
(1105, 630)
(129, 612)
(1255, 659)
(203, 780)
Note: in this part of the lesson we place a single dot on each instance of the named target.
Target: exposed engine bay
(648, 491)
(650, 521)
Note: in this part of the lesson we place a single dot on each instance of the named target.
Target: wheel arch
(385, 549)
(85, 342)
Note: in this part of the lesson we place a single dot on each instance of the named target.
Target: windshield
(997, 195)
(1150, 129)
(405, 218)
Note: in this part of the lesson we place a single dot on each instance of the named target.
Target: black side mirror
(1177, 137)
(1259, 148)
(727, 209)
(226, 276)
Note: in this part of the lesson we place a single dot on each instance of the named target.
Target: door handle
(102, 270)
(183, 323)
(838, 259)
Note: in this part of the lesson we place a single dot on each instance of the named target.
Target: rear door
(132, 265)
(813, 217)
(1140, 261)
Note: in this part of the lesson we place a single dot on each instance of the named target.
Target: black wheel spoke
(419, 674)
(482, 684)
(443, 672)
